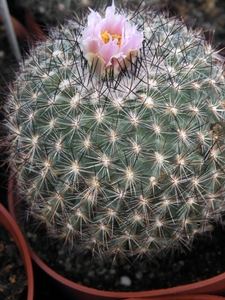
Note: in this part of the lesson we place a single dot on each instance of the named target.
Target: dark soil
(205, 260)
(13, 283)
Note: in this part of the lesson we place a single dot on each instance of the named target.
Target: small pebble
(68, 265)
(124, 280)
(2, 54)
(91, 273)
(112, 271)
(139, 275)
(101, 271)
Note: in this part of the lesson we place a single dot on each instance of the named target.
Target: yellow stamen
(106, 36)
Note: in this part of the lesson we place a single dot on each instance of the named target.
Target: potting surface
(13, 283)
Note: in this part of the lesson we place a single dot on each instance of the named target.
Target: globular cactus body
(132, 165)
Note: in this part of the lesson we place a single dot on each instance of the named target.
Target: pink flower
(110, 43)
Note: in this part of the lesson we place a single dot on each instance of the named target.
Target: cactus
(129, 165)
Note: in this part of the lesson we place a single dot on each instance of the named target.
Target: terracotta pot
(214, 285)
(9, 223)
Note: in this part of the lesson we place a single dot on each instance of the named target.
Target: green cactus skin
(130, 166)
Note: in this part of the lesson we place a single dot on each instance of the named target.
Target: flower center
(106, 36)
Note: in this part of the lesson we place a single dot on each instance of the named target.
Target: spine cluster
(132, 165)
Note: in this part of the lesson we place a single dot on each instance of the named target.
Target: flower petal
(121, 40)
